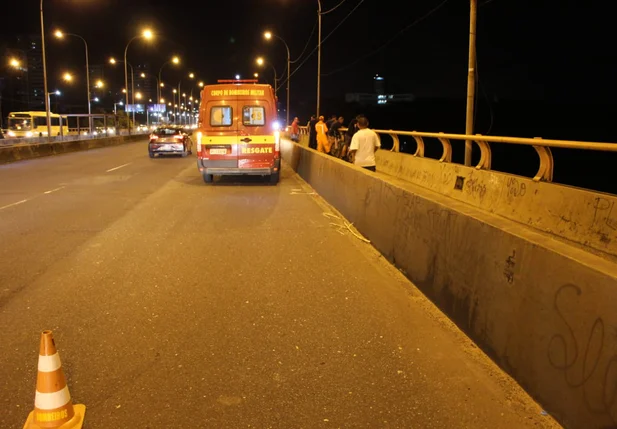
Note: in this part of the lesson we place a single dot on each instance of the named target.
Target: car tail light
(153, 137)
(178, 136)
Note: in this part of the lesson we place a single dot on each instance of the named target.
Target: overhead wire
(396, 36)
(324, 39)
(334, 8)
(307, 42)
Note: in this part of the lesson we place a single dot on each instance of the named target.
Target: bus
(34, 124)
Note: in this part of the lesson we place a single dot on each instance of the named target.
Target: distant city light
(238, 76)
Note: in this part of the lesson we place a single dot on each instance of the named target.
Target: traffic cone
(53, 407)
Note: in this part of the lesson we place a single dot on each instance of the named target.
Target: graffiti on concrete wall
(588, 361)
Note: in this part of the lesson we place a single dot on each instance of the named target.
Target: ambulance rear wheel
(208, 177)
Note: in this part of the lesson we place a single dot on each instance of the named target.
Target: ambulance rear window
(254, 116)
(220, 116)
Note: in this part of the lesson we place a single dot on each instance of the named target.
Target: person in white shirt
(363, 145)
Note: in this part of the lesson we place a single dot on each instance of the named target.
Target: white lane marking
(13, 204)
(53, 190)
(120, 166)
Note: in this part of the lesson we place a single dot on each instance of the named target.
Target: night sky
(530, 50)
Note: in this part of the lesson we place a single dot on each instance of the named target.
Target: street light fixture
(59, 34)
(268, 36)
(261, 62)
(99, 84)
(67, 77)
(13, 62)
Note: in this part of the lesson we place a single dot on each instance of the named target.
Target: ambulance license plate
(218, 151)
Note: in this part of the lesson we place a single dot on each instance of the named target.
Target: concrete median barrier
(25, 151)
(542, 308)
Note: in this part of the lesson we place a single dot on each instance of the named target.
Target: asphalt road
(238, 305)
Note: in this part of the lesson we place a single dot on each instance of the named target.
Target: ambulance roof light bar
(237, 81)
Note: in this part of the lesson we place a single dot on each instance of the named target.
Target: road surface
(238, 305)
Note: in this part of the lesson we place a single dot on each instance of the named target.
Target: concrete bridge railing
(579, 216)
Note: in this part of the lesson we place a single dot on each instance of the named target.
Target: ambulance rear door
(256, 137)
(220, 140)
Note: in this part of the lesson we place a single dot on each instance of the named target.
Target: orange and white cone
(53, 407)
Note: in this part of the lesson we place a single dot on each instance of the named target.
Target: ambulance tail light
(199, 136)
(277, 141)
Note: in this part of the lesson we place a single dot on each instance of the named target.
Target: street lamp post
(126, 90)
(147, 34)
(59, 35)
(269, 35)
(471, 80)
(47, 112)
(174, 60)
(48, 101)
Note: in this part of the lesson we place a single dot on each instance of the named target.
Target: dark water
(562, 121)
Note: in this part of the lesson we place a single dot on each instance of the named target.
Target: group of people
(357, 144)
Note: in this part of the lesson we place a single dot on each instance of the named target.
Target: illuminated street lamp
(60, 35)
(255, 75)
(200, 84)
(146, 34)
(174, 60)
(268, 36)
(67, 77)
(13, 62)
(99, 84)
(261, 62)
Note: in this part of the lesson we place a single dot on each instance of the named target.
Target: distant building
(380, 96)
(24, 88)
(144, 85)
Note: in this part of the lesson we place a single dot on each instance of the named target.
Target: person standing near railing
(295, 130)
(323, 145)
(363, 145)
(312, 132)
(352, 128)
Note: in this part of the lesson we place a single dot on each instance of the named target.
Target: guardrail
(70, 137)
(541, 146)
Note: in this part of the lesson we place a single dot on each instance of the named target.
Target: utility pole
(471, 80)
(318, 56)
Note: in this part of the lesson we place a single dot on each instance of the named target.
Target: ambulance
(238, 132)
